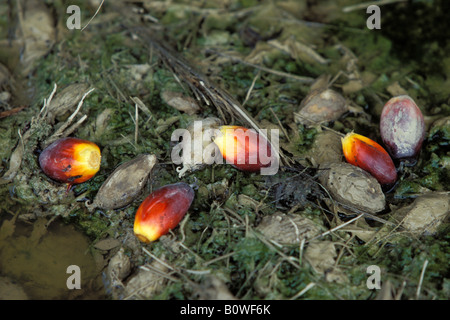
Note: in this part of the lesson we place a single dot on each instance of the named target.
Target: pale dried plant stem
(300, 251)
(62, 130)
(268, 70)
(319, 124)
(75, 125)
(47, 102)
(150, 268)
(225, 256)
(80, 104)
(339, 226)
(422, 275)
(168, 266)
(281, 126)
(303, 291)
(95, 14)
(249, 92)
(364, 5)
(136, 124)
(399, 293)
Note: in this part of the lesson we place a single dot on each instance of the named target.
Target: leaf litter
(235, 66)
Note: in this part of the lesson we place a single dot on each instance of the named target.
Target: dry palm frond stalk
(227, 106)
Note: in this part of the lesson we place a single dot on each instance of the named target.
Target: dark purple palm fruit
(402, 127)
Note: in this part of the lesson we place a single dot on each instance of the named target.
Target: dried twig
(364, 5)
(338, 227)
(96, 12)
(422, 274)
(307, 80)
(281, 125)
(303, 291)
(249, 92)
(136, 124)
(44, 108)
(8, 113)
(62, 130)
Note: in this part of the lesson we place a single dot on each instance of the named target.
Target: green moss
(306, 137)
(174, 291)
(218, 223)
(406, 189)
(406, 256)
(94, 225)
(220, 22)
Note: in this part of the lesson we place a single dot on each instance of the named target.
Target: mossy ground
(105, 56)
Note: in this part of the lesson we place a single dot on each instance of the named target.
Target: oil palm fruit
(243, 148)
(402, 127)
(70, 160)
(365, 153)
(162, 210)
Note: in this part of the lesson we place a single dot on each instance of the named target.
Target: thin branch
(307, 80)
(425, 264)
(251, 88)
(364, 5)
(338, 227)
(95, 14)
(303, 291)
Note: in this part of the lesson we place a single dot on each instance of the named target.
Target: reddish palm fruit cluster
(365, 153)
(70, 160)
(402, 127)
(243, 148)
(162, 211)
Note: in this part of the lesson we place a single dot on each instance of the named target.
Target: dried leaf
(14, 163)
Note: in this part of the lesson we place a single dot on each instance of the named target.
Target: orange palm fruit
(243, 148)
(365, 153)
(402, 127)
(70, 160)
(162, 211)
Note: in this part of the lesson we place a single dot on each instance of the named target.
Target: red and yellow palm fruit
(70, 160)
(162, 211)
(365, 153)
(243, 148)
(402, 127)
